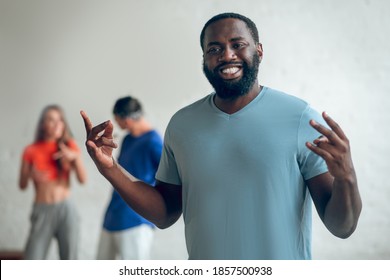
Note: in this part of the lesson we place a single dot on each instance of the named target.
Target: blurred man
(126, 234)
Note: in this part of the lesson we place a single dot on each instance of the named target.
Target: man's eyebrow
(213, 43)
(236, 39)
(231, 40)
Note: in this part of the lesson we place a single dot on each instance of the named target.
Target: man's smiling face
(231, 58)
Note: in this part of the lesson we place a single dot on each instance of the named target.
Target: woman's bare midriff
(51, 193)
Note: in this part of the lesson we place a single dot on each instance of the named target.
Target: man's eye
(214, 50)
(238, 45)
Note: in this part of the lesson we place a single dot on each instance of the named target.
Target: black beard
(234, 89)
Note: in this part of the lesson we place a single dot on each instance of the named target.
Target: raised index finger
(87, 122)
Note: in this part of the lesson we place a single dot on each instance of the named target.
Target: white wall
(85, 54)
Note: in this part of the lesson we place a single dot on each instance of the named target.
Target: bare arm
(335, 194)
(160, 205)
(79, 168)
(24, 176)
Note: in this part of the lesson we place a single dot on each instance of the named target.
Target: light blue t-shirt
(243, 177)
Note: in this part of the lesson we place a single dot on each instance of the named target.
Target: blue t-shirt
(140, 156)
(243, 177)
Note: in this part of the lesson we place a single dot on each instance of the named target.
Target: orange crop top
(40, 155)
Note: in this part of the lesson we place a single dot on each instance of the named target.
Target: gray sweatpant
(60, 221)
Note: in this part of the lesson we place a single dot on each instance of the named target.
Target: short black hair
(128, 107)
(249, 23)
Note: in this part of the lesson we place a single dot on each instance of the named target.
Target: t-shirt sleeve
(167, 171)
(27, 155)
(310, 163)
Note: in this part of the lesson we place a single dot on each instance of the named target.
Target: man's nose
(228, 54)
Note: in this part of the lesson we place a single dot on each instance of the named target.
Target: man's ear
(128, 121)
(260, 50)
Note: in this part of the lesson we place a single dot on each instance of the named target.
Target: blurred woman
(48, 162)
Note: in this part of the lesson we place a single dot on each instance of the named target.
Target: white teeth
(231, 70)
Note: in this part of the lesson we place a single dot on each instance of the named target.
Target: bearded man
(244, 163)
